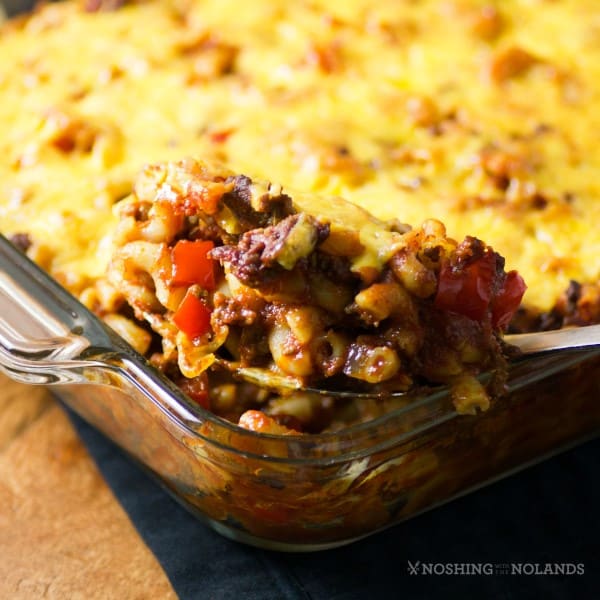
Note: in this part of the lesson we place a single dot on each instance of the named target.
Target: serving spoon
(47, 336)
(569, 338)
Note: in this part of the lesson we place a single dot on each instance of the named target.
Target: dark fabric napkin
(545, 514)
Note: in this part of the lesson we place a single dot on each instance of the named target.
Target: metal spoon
(570, 338)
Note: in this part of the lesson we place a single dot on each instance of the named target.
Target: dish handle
(42, 336)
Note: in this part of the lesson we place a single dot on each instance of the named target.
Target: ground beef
(335, 268)
(254, 259)
(253, 209)
(235, 311)
(470, 250)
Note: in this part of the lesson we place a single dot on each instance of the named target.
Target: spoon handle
(560, 339)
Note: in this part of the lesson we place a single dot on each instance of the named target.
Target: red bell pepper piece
(191, 264)
(193, 316)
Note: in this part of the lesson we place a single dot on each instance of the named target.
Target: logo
(503, 568)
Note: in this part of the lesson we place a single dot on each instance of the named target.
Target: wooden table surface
(62, 532)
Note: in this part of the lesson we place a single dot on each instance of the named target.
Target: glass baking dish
(292, 493)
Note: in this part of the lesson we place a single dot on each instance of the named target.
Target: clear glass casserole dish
(296, 493)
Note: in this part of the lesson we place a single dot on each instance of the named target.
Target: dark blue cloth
(546, 514)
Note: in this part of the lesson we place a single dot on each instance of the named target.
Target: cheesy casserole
(481, 114)
(240, 279)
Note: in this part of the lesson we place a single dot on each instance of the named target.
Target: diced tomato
(508, 299)
(191, 264)
(477, 289)
(467, 290)
(193, 316)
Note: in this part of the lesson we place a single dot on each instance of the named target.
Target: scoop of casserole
(240, 278)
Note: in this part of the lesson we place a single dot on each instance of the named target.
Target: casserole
(283, 492)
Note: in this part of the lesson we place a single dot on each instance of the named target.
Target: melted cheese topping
(482, 114)
(378, 243)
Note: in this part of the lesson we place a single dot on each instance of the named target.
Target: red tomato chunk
(477, 289)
